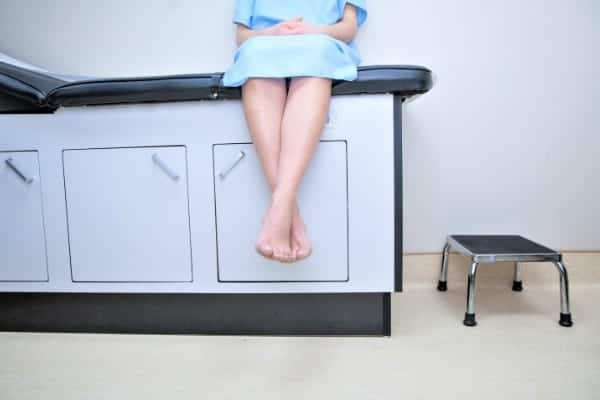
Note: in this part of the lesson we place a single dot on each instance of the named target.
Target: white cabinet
(242, 196)
(128, 217)
(22, 236)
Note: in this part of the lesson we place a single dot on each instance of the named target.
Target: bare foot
(274, 239)
(300, 243)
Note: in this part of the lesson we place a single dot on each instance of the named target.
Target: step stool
(497, 248)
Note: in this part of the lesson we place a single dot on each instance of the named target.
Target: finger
(291, 26)
(295, 20)
(297, 31)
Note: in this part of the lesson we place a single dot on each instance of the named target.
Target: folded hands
(295, 26)
(345, 29)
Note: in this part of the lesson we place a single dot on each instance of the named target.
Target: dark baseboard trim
(387, 314)
(305, 314)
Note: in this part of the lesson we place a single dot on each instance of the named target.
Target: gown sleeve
(243, 12)
(361, 10)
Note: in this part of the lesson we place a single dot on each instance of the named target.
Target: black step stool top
(493, 248)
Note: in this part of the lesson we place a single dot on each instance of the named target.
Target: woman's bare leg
(304, 116)
(264, 101)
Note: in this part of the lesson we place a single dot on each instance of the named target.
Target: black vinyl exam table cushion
(44, 90)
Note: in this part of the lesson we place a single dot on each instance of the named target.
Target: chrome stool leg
(517, 282)
(470, 314)
(565, 309)
(443, 282)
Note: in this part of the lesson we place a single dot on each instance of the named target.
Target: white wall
(508, 141)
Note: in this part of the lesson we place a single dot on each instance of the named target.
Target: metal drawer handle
(11, 164)
(241, 155)
(173, 175)
(330, 122)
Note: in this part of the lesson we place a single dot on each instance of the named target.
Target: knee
(313, 80)
(312, 83)
(264, 85)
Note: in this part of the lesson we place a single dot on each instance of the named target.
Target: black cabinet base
(339, 314)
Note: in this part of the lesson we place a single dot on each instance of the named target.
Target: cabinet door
(242, 197)
(22, 237)
(128, 214)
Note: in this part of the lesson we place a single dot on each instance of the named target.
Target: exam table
(132, 205)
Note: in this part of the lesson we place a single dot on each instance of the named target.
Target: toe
(289, 258)
(282, 255)
(302, 254)
(305, 251)
(277, 255)
(292, 257)
(264, 250)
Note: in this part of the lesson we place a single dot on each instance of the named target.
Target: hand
(305, 28)
(295, 26)
(288, 27)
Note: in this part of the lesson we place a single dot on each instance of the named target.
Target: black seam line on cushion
(393, 67)
(42, 96)
(212, 76)
(133, 88)
(134, 79)
(122, 99)
(119, 81)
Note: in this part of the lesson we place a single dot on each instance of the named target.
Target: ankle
(284, 197)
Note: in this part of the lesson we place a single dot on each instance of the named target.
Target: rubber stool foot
(442, 286)
(565, 320)
(469, 320)
(517, 286)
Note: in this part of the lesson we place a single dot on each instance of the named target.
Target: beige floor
(518, 351)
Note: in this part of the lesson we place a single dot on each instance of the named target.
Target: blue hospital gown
(285, 56)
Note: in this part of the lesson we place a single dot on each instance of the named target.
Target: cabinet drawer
(242, 196)
(22, 236)
(128, 214)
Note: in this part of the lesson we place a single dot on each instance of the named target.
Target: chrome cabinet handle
(161, 164)
(11, 164)
(331, 120)
(224, 173)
